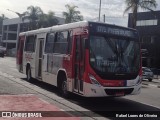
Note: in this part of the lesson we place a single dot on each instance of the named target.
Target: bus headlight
(94, 81)
(139, 80)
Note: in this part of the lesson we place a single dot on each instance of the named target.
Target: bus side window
(61, 42)
(49, 43)
(30, 43)
(70, 37)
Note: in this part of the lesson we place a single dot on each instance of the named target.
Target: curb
(151, 85)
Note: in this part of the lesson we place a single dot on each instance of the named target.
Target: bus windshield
(114, 55)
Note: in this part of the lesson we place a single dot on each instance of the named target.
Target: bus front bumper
(100, 91)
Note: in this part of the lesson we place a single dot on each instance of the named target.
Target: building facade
(148, 26)
(10, 30)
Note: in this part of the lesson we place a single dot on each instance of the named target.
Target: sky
(113, 9)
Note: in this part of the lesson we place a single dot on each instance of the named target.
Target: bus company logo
(121, 83)
(28, 57)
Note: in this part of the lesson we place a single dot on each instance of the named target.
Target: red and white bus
(87, 58)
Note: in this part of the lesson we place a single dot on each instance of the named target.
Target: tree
(72, 15)
(51, 20)
(47, 20)
(33, 14)
(134, 6)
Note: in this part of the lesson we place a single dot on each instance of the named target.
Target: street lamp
(99, 10)
(19, 23)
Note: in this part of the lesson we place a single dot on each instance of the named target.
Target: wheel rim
(64, 87)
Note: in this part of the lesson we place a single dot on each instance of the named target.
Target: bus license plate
(119, 94)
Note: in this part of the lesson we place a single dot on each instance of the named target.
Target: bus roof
(67, 26)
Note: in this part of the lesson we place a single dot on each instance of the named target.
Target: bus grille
(115, 91)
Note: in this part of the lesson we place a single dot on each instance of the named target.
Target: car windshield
(146, 70)
(114, 55)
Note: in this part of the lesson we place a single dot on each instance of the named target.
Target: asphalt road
(13, 82)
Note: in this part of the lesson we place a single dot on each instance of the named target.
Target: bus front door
(79, 65)
(40, 56)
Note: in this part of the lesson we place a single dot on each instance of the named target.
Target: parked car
(11, 52)
(147, 73)
(1, 53)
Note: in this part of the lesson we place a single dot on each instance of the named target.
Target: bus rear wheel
(29, 76)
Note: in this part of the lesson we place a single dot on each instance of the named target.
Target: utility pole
(99, 11)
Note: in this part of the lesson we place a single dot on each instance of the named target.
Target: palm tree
(72, 15)
(134, 6)
(47, 20)
(51, 20)
(33, 14)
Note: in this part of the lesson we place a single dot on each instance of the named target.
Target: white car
(147, 73)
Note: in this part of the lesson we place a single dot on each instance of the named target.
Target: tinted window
(114, 55)
(30, 44)
(70, 42)
(146, 69)
(61, 41)
(49, 43)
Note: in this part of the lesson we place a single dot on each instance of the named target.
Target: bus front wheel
(29, 76)
(64, 90)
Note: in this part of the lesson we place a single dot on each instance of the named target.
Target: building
(148, 26)
(10, 30)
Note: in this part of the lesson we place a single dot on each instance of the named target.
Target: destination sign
(115, 31)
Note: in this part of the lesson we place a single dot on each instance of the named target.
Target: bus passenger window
(61, 42)
(70, 37)
(30, 44)
(49, 43)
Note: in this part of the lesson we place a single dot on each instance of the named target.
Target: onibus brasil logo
(21, 114)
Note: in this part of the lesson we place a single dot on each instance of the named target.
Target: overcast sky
(113, 9)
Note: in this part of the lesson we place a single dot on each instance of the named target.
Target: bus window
(30, 44)
(49, 43)
(61, 42)
(70, 37)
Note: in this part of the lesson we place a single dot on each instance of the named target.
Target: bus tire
(150, 79)
(29, 75)
(63, 88)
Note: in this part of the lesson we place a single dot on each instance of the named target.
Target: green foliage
(135, 5)
(72, 15)
(33, 14)
(38, 19)
(47, 20)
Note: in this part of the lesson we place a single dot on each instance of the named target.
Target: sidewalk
(157, 77)
(30, 107)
